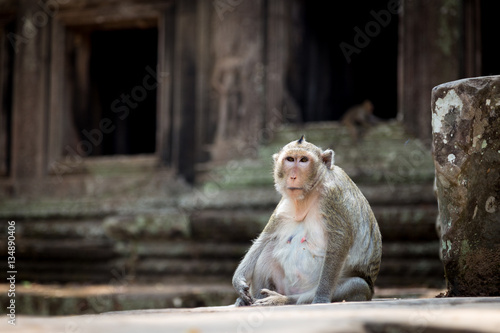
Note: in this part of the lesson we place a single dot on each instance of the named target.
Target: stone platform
(405, 315)
(64, 300)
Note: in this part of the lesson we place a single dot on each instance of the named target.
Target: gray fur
(333, 254)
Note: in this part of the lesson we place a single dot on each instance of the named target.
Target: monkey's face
(297, 172)
(298, 167)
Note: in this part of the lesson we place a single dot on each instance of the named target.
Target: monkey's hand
(244, 291)
(271, 298)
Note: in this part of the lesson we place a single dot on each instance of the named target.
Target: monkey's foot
(271, 298)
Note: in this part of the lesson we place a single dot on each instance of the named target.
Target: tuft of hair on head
(302, 138)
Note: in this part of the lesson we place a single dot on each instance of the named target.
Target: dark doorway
(489, 37)
(334, 69)
(6, 84)
(123, 89)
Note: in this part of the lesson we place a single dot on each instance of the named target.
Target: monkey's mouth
(295, 188)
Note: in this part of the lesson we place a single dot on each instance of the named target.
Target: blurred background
(136, 136)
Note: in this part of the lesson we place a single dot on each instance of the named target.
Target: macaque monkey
(358, 119)
(322, 243)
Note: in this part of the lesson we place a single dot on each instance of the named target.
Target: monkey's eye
(290, 159)
(304, 159)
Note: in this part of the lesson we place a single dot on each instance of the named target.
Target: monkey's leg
(273, 298)
(352, 289)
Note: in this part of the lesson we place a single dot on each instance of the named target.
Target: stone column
(434, 43)
(466, 149)
(31, 43)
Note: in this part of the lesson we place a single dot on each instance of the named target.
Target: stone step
(411, 250)
(333, 130)
(401, 160)
(79, 249)
(118, 295)
(425, 272)
(94, 207)
(228, 225)
(415, 223)
(49, 229)
(68, 270)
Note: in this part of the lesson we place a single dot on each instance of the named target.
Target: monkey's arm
(339, 243)
(246, 268)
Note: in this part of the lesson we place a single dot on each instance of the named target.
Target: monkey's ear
(275, 157)
(328, 157)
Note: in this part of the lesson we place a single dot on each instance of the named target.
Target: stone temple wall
(145, 226)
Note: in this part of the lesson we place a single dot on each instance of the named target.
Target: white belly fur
(299, 249)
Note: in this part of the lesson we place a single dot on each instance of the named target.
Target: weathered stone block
(169, 223)
(466, 149)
